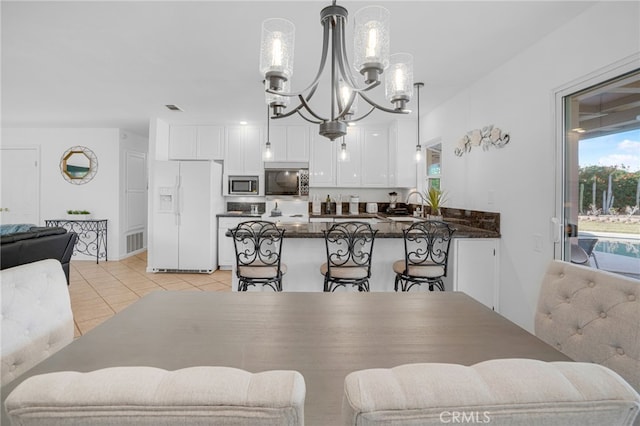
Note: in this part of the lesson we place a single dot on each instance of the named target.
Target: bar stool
(258, 246)
(349, 250)
(426, 248)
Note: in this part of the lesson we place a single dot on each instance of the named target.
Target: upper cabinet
(196, 142)
(350, 172)
(402, 148)
(289, 143)
(243, 151)
(375, 158)
(322, 162)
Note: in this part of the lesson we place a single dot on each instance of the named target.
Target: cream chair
(592, 316)
(36, 315)
(124, 396)
(500, 392)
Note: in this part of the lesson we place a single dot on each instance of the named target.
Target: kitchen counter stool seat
(258, 247)
(426, 254)
(349, 250)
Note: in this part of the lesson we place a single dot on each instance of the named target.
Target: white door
(195, 233)
(20, 186)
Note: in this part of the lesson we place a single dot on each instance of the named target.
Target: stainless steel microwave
(243, 185)
(286, 182)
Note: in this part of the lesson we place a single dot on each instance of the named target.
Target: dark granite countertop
(238, 214)
(386, 229)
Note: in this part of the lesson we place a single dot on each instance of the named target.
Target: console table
(92, 235)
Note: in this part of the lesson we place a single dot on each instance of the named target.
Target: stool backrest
(258, 243)
(427, 243)
(349, 244)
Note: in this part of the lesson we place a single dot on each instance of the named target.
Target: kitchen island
(303, 251)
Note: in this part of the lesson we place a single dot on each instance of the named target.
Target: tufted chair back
(36, 315)
(592, 316)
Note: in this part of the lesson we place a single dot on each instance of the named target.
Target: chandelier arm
(339, 46)
(381, 108)
(323, 61)
(363, 116)
(293, 111)
(308, 119)
(306, 106)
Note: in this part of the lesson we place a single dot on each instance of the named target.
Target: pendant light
(343, 155)
(268, 154)
(418, 146)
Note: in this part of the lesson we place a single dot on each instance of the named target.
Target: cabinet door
(375, 161)
(349, 172)
(252, 151)
(475, 269)
(226, 251)
(234, 151)
(322, 162)
(405, 138)
(210, 143)
(298, 143)
(182, 142)
(278, 138)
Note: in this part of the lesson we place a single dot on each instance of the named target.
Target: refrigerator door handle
(177, 205)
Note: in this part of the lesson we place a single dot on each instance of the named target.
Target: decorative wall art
(78, 165)
(488, 137)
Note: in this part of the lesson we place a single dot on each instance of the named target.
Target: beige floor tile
(199, 279)
(178, 286)
(76, 330)
(165, 278)
(144, 291)
(140, 285)
(117, 307)
(86, 313)
(113, 291)
(88, 325)
(214, 287)
(120, 298)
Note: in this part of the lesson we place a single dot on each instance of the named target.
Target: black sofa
(38, 243)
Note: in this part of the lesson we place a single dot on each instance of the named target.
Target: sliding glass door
(601, 179)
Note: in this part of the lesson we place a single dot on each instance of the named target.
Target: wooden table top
(324, 336)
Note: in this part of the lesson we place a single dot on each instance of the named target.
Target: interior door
(20, 185)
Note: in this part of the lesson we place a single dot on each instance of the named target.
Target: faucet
(421, 198)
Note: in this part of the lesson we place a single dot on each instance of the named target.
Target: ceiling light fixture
(268, 154)
(371, 59)
(418, 146)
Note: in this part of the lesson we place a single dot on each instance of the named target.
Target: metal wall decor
(78, 165)
(486, 137)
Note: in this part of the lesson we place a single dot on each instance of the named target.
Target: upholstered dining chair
(258, 247)
(349, 249)
(426, 254)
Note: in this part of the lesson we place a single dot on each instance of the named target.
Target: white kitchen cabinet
(322, 162)
(226, 251)
(401, 151)
(243, 151)
(475, 269)
(374, 158)
(289, 143)
(349, 173)
(196, 142)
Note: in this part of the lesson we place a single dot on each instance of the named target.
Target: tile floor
(99, 291)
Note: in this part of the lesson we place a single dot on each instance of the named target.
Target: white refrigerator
(187, 197)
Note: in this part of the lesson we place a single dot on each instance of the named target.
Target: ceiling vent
(172, 107)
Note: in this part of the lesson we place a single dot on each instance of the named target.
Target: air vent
(173, 107)
(134, 242)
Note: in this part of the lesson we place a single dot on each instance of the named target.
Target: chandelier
(371, 60)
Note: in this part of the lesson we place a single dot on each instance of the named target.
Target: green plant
(78, 212)
(435, 198)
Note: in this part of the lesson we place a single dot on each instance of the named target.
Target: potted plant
(78, 214)
(435, 199)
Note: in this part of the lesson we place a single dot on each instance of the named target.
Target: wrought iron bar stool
(349, 250)
(426, 248)
(258, 246)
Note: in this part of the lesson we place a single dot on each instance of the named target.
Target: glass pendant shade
(371, 41)
(343, 155)
(345, 94)
(399, 79)
(418, 153)
(276, 51)
(268, 153)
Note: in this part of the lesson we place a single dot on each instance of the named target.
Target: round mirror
(78, 165)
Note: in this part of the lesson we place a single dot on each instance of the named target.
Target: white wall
(100, 196)
(518, 97)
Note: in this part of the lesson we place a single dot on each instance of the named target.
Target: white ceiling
(116, 64)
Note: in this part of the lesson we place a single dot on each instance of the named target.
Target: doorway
(601, 180)
(20, 186)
